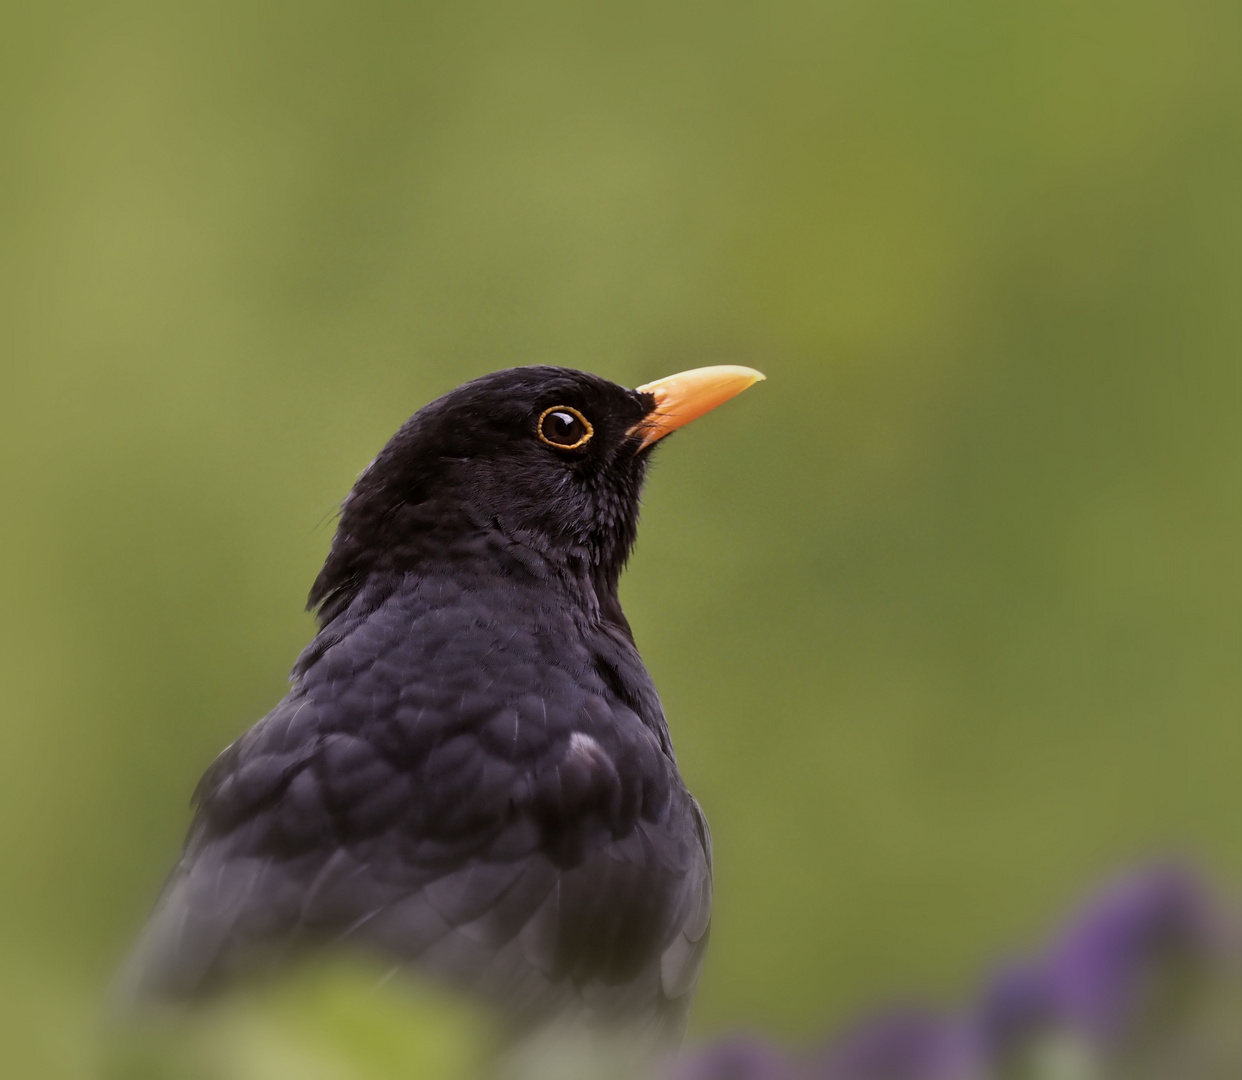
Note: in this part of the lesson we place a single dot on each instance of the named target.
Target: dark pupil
(563, 428)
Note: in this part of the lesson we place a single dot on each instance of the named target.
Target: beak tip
(722, 374)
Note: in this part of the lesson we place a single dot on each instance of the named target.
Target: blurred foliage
(338, 1022)
(946, 614)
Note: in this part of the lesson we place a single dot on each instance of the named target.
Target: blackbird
(471, 775)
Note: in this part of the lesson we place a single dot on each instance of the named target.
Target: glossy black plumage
(471, 773)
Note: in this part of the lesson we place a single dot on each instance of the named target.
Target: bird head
(548, 458)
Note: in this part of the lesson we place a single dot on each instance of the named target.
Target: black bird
(471, 774)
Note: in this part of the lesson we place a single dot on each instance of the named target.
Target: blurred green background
(947, 615)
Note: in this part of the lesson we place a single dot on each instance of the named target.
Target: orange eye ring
(579, 423)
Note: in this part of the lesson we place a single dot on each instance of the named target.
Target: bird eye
(564, 427)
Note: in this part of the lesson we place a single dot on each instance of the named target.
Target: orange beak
(688, 395)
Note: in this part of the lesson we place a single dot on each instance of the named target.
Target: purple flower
(1132, 943)
(1020, 1004)
(1138, 949)
(737, 1058)
(904, 1044)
